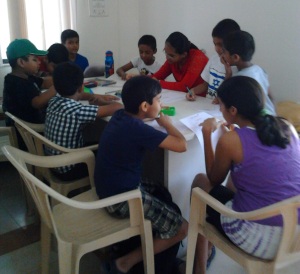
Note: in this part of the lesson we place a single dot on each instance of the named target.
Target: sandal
(211, 257)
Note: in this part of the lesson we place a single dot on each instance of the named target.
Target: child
(122, 147)
(70, 39)
(145, 63)
(239, 48)
(22, 90)
(263, 155)
(184, 60)
(57, 53)
(214, 72)
(66, 117)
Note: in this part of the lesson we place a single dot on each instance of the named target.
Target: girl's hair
(180, 42)
(138, 90)
(246, 95)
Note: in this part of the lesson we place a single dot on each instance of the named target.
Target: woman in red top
(184, 60)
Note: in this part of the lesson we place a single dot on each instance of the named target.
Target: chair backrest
(9, 136)
(94, 71)
(36, 142)
(40, 191)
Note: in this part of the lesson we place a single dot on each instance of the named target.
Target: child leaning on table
(118, 169)
(239, 48)
(145, 63)
(214, 72)
(66, 117)
(70, 39)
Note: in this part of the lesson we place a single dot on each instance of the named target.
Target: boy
(66, 117)
(214, 72)
(122, 146)
(145, 63)
(22, 90)
(239, 48)
(57, 53)
(70, 39)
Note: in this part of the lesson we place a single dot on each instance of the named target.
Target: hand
(163, 120)
(103, 99)
(228, 70)
(189, 96)
(210, 125)
(129, 76)
(215, 101)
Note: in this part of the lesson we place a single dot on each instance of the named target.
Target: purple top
(267, 174)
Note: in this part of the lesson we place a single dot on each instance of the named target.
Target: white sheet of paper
(193, 121)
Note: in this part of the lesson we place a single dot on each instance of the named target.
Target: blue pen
(189, 91)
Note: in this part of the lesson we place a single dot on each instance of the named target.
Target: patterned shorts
(256, 239)
(166, 221)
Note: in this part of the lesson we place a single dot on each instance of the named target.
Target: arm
(108, 110)
(200, 89)
(175, 141)
(47, 82)
(228, 150)
(122, 70)
(42, 100)
(228, 70)
(270, 95)
(191, 75)
(164, 71)
(97, 99)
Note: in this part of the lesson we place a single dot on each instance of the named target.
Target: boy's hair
(180, 42)
(57, 53)
(67, 34)
(246, 95)
(148, 40)
(138, 90)
(67, 78)
(240, 43)
(224, 27)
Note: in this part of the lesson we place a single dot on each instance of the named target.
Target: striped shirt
(65, 120)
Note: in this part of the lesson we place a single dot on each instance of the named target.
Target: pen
(189, 91)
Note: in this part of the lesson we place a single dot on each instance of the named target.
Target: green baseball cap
(22, 47)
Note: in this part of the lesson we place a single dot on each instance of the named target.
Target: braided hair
(246, 95)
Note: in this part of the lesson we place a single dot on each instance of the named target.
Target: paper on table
(181, 127)
(193, 121)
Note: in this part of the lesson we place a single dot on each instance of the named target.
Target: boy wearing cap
(22, 90)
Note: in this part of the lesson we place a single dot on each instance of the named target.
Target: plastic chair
(94, 71)
(9, 137)
(289, 248)
(35, 143)
(80, 224)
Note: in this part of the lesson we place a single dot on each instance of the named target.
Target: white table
(179, 169)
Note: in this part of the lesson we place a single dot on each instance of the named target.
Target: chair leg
(147, 248)
(191, 246)
(65, 258)
(45, 247)
(260, 267)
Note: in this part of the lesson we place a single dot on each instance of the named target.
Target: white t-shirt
(214, 74)
(144, 69)
(257, 73)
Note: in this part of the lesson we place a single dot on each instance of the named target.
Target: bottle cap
(109, 52)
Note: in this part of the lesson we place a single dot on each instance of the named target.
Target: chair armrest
(262, 213)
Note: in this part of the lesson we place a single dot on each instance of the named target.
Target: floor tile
(7, 223)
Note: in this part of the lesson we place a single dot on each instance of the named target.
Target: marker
(189, 91)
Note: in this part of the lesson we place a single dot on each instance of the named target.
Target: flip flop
(111, 268)
(211, 257)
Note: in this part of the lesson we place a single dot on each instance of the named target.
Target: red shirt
(189, 75)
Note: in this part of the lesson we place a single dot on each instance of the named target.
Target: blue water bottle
(109, 64)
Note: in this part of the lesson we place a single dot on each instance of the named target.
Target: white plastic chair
(80, 224)
(9, 136)
(36, 143)
(289, 248)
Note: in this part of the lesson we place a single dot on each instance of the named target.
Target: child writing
(263, 155)
(122, 147)
(214, 72)
(66, 117)
(239, 48)
(184, 60)
(70, 39)
(22, 94)
(145, 63)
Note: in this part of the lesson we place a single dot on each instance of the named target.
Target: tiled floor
(19, 235)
